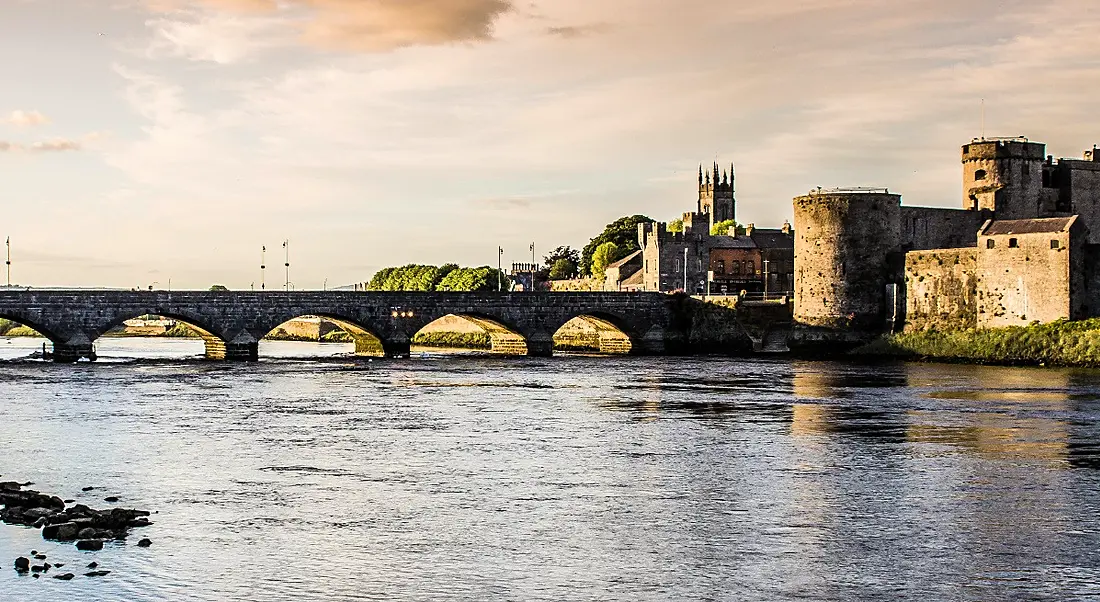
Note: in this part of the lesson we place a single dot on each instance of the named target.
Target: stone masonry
(232, 323)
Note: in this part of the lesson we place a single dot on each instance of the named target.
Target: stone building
(1018, 251)
(699, 263)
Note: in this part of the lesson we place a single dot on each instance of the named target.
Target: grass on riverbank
(1061, 343)
(453, 340)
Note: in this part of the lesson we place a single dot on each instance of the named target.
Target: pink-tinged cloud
(369, 25)
(27, 118)
(56, 145)
(7, 147)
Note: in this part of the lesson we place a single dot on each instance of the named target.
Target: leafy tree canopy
(729, 227)
(218, 287)
(605, 255)
(676, 225)
(623, 232)
(568, 253)
(563, 269)
(475, 280)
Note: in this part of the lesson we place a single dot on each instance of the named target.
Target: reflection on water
(327, 477)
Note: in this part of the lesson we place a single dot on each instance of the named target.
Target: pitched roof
(1028, 226)
(772, 238)
(732, 242)
(620, 263)
(634, 279)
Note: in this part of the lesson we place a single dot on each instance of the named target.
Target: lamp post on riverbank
(500, 278)
(263, 265)
(8, 243)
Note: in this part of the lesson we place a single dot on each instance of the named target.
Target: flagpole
(8, 243)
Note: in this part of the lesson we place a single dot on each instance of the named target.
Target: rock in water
(90, 545)
(145, 543)
(64, 576)
(39, 556)
(97, 573)
(87, 488)
(22, 564)
(92, 565)
(112, 499)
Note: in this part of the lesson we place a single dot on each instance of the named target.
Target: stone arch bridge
(232, 323)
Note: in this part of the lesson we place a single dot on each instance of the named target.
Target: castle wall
(843, 243)
(941, 289)
(938, 228)
(1031, 281)
(1081, 191)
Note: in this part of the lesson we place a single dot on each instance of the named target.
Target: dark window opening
(989, 244)
(1054, 244)
(721, 265)
(1013, 243)
(980, 174)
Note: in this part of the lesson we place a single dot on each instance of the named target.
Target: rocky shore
(88, 529)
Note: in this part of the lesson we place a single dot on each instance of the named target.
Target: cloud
(578, 31)
(26, 118)
(348, 25)
(55, 145)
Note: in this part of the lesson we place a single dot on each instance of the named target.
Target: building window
(751, 269)
(1013, 243)
(989, 244)
(736, 268)
(980, 174)
(1054, 244)
(721, 265)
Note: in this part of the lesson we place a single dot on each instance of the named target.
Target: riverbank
(1060, 343)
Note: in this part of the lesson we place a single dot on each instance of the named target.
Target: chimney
(749, 228)
(786, 227)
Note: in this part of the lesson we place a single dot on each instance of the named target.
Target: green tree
(559, 253)
(474, 280)
(727, 228)
(605, 255)
(218, 287)
(676, 225)
(623, 232)
(563, 269)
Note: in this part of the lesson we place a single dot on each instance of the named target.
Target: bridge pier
(540, 344)
(397, 348)
(66, 353)
(241, 352)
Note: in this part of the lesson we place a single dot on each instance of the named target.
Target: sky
(148, 141)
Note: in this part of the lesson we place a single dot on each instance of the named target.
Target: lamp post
(500, 278)
(263, 265)
(8, 243)
(765, 279)
(286, 248)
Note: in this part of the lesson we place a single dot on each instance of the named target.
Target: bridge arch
(192, 326)
(472, 330)
(368, 340)
(600, 332)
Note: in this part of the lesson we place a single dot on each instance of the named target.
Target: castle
(755, 260)
(1024, 247)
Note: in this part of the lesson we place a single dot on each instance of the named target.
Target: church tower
(716, 196)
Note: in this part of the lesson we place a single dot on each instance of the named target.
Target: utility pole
(765, 279)
(286, 247)
(500, 278)
(263, 265)
(686, 269)
(8, 243)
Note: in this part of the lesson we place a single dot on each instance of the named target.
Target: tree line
(446, 278)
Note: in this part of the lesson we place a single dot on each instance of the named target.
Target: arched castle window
(980, 174)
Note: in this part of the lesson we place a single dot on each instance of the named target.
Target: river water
(447, 477)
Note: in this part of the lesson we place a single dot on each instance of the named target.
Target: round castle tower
(843, 240)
